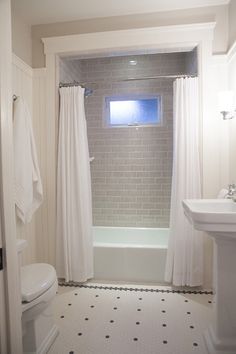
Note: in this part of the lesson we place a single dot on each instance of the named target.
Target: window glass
(123, 111)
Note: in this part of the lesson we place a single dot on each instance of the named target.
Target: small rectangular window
(133, 110)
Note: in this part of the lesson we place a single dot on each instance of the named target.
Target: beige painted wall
(206, 14)
(232, 22)
(21, 40)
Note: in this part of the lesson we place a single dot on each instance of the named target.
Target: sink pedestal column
(221, 336)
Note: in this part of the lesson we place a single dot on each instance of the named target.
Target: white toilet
(38, 288)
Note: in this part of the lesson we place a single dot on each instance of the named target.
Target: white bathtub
(130, 254)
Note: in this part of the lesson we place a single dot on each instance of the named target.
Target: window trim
(124, 97)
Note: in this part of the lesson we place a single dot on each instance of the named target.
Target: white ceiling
(48, 11)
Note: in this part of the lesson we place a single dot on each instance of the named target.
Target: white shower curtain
(74, 251)
(185, 250)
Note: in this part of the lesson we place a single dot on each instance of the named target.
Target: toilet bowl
(38, 288)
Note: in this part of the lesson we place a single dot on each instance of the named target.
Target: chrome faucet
(231, 192)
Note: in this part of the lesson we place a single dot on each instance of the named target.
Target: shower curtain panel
(185, 250)
(74, 250)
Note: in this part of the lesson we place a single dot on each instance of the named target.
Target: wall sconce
(227, 104)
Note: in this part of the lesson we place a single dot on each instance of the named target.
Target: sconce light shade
(227, 104)
(226, 101)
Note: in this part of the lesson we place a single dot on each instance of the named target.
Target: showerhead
(88, 92)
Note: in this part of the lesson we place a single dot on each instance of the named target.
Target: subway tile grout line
(102, 287)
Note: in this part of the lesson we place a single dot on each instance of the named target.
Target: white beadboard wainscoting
(22, 83)
(30, 84)
(43, 219)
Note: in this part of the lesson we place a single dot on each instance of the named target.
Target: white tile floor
(105, 321)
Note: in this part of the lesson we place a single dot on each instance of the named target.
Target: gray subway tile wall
(191, 59)
(131, 172)
(69, 70)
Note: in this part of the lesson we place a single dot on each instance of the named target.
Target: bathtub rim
(130, 228)
(130, 245)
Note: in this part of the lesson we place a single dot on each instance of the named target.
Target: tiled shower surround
(131, 172)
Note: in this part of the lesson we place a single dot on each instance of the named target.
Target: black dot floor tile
(163, 322)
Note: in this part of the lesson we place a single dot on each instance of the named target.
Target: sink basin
(211, 215)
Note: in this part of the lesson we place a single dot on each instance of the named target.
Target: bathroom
(119, 58)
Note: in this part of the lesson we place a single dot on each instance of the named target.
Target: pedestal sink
(217, 217)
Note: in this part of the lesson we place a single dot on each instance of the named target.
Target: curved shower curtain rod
(87, 91)
(76, 83)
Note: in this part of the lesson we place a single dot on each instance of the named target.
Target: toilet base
(39, 332)
(48, 341)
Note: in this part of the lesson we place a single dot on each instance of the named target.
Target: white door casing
(168, 38)
(10, 328)
(3, 319)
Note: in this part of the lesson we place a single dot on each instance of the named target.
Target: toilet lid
(36, 279)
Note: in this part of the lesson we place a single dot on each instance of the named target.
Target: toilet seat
(40, 301)
(36, 279)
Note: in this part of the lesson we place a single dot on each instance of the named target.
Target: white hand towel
(28, 186)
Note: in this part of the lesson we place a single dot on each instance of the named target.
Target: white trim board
(22, 65)
(154, 37)
(231, 52)
(12, 285)
(226, 58)
(39, 72)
